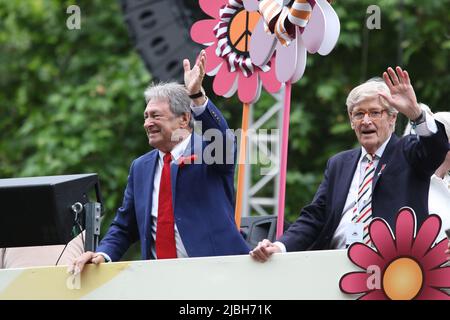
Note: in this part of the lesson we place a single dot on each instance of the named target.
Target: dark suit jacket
(408, 163)
(203, 199)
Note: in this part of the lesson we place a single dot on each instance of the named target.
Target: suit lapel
(346, 176)
(194, 147)
(173, 179)
(385, 158)
(149, 171)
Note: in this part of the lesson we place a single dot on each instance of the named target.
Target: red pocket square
(186, 160)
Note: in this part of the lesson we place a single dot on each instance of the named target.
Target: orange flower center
(240, 30)
(402, 279)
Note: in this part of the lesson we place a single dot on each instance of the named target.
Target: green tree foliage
(71, 101)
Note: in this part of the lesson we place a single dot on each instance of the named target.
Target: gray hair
(369, 90)
(175, 94)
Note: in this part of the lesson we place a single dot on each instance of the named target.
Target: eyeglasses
(374, 114)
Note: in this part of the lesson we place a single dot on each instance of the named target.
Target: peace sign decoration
(228, 37)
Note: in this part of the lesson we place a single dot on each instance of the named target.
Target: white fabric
(428, 127)
(439, 202)
(107, 257)
(198, 110)
(280, 245)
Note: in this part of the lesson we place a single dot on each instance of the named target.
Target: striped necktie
(363, 207)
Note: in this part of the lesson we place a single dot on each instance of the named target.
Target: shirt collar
(178, 150)
(379, 152)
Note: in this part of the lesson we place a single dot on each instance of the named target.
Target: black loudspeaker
(39, 210)
(160, 30)
(257, 228)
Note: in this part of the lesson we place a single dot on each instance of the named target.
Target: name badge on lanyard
(353, 233)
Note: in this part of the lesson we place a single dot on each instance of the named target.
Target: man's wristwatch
(419, 120)
(196, 95)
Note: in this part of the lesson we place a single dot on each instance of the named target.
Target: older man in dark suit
(374, 180)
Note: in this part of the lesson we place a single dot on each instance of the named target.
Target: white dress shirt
(176, 152)
(338, 240)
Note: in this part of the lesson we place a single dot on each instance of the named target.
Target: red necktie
(165, 231)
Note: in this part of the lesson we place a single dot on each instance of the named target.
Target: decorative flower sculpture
(290, 28)
(227, 36)
(405, 266)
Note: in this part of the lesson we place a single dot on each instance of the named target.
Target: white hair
(369, 90)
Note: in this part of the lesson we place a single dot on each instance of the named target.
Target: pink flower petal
(286, 60)
(374, 295)
(249, 88)
(439, 278)
(381, 236)
(212, 61)
(262, 45)
(426, 236)
(269, 80)
(436, 256)
(314, 32)
(429, 293)
(405, 231)
(301, 61)
(251, 5)
(363, 256)
(333, 27)
(354, 282)
(212, 7)
(202, 31)
(224, 80)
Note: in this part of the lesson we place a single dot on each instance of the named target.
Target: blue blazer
(203, 199)
(408, 163)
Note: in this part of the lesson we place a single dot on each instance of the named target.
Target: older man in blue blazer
(179, 200)
(382, 175)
